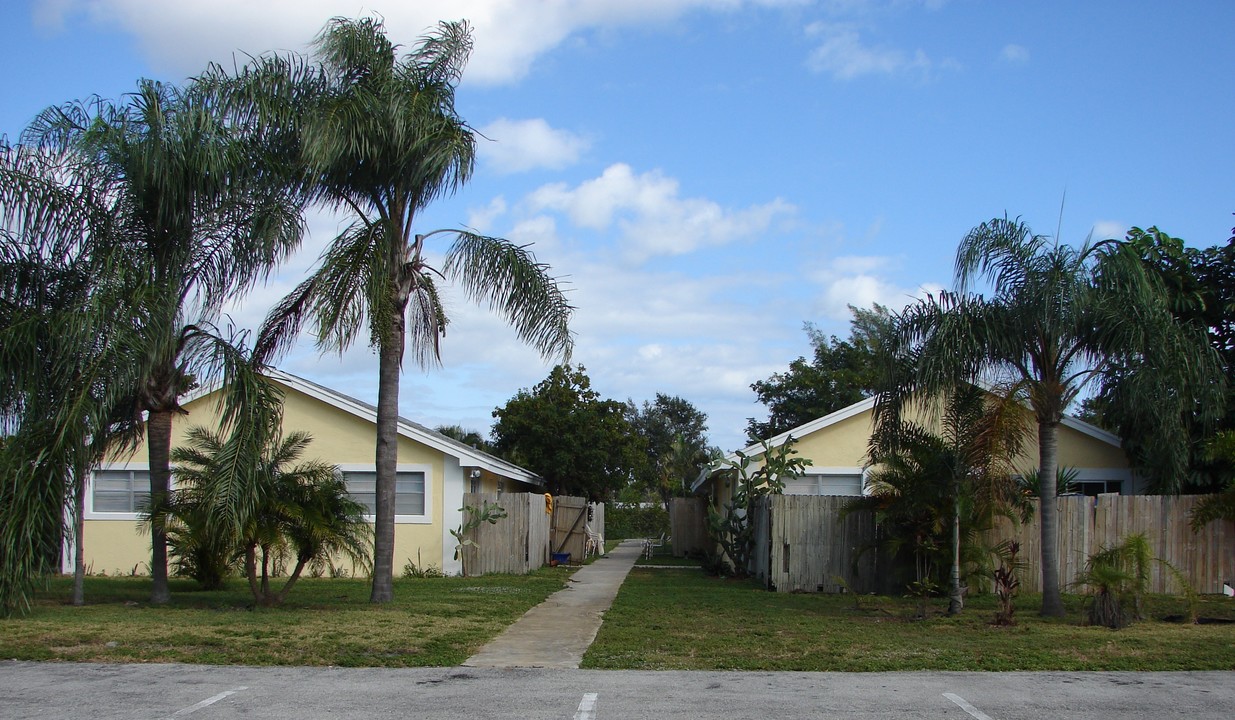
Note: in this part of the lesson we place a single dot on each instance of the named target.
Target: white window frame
(91, 513)
(427, 470)
(817, 474)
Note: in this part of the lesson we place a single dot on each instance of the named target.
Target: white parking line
(587, 707)
(960, 701)
(205, 703)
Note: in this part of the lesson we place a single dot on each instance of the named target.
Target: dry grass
(432, 622)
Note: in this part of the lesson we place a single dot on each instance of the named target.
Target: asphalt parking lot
(100, 692)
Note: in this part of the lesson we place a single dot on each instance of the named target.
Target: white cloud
(653, 218)
(862, 281)
(843, 55)
(181, 37)
(1014, 54)
(482, 218)
(517, 145)
(1107, 229)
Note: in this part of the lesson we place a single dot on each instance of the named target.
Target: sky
(706, 176)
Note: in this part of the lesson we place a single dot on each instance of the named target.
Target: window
(120, 491)
(1093, 488)
(409, 491)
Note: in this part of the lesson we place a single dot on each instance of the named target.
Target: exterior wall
(842, 445)
(113, 542)
(115, 547)
(839, 450)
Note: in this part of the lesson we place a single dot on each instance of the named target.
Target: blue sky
(708, 175)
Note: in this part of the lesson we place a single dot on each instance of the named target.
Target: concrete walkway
(557, 632)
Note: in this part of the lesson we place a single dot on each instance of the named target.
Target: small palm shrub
(1117, 578)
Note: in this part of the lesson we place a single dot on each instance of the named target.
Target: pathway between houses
(557, 632)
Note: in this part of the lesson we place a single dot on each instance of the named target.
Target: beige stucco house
(434, 473)
(836, 445)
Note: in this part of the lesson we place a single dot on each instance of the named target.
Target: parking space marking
(205, 703)
(587, 707)
(960, 702)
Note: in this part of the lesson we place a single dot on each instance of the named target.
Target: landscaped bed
(685, 620)
(326, 621)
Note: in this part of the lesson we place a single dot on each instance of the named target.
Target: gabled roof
(466, 454)
(862, 406)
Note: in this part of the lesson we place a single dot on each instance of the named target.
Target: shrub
(635, 521)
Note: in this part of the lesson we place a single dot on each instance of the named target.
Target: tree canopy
(840, 373)
(1200, 287)
(565, 432)
(675, 432)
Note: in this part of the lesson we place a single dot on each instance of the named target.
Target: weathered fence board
(802, 543)
(516, 544)
(570, 524)
(1088, 524)
(688, 526)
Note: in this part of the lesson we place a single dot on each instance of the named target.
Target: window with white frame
(409, 490)
(119, 491)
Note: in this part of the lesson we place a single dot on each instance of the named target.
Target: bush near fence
(636, 521)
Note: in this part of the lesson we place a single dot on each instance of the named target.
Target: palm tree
(956, 464)
(65, 353)
(249, 494)
(380, 138)
(197, 218)
(1057, 316)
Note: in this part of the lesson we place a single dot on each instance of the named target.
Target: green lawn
(662, 619)
(432, 622)
(683, 619)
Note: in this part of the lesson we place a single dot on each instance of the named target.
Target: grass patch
(432, 622)
(683, 620)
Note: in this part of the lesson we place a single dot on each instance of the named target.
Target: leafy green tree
(468, 437)
(676, 435)
(1056, 317)
(564, 431)
(1200, 286)
(841, 373)
(196, 218)
(379, 139)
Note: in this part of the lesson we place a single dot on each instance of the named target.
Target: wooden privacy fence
(802, 544)
(516, 544)
(688, 526)
(570, 523)
(1088, 524)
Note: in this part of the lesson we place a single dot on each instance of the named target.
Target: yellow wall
(843, 444)
(338, 438)
(116, 547)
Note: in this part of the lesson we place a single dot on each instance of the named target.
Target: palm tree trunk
(159, 443)
(291, 581)
(956, 602)
(250, 571)
(390, 360)
(79, 543)
(1048, 462)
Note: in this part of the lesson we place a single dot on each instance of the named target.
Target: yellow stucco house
(434, 472)
(836, 445)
